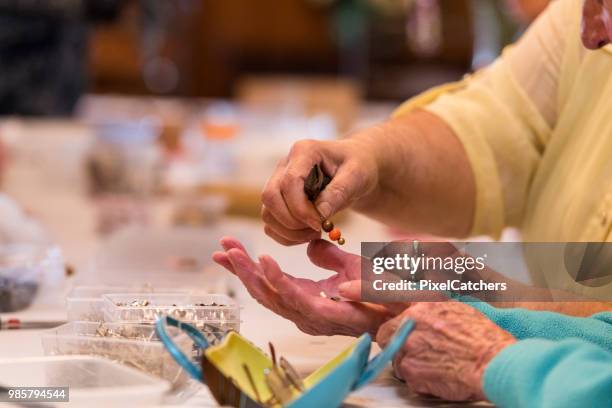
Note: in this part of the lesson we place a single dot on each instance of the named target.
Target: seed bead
(341, 241)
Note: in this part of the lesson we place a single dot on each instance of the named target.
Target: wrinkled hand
(289, 216)
(299, 300)
(448, 350)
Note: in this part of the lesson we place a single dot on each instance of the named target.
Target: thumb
(328, 256)
(388, 329)
(344, 187)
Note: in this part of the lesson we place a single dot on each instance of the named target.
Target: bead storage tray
(210, 313)
(133, 345)
(85, 303)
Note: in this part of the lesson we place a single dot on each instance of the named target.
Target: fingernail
(325, 209)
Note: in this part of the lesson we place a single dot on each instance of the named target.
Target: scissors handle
(378, 363)
(176, 353)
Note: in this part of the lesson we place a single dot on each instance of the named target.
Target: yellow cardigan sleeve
(504, 116)
(502, 133)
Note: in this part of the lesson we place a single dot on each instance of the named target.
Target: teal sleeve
(543, 373)
(527, 324)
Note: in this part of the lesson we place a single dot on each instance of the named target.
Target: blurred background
(134, 133)
(52, 52)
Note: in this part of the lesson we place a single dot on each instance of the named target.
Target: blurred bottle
(2, 156)
(488, 41)
(208, 154)
(124, 172)
(219, 128)
(424, 28)
(125, 157)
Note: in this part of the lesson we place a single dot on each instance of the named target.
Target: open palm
(299, 299)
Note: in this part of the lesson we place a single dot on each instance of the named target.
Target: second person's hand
(448, 351)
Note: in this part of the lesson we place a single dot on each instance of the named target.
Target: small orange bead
(335, 234)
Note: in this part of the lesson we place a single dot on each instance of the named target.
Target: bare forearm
(425, 184)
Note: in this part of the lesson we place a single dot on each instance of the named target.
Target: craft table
(69, 217)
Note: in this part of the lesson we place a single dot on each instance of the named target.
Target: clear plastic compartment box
(85, 303)
(131, 344)
(214, 315)
(92, 381)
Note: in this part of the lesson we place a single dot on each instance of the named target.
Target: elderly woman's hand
(300, 300)
(448, 351)
(289, 217)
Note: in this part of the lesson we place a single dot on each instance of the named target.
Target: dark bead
(327, 225)
(341, 241)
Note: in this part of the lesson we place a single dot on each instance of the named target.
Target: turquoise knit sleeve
(544, 373)
(527, 324)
